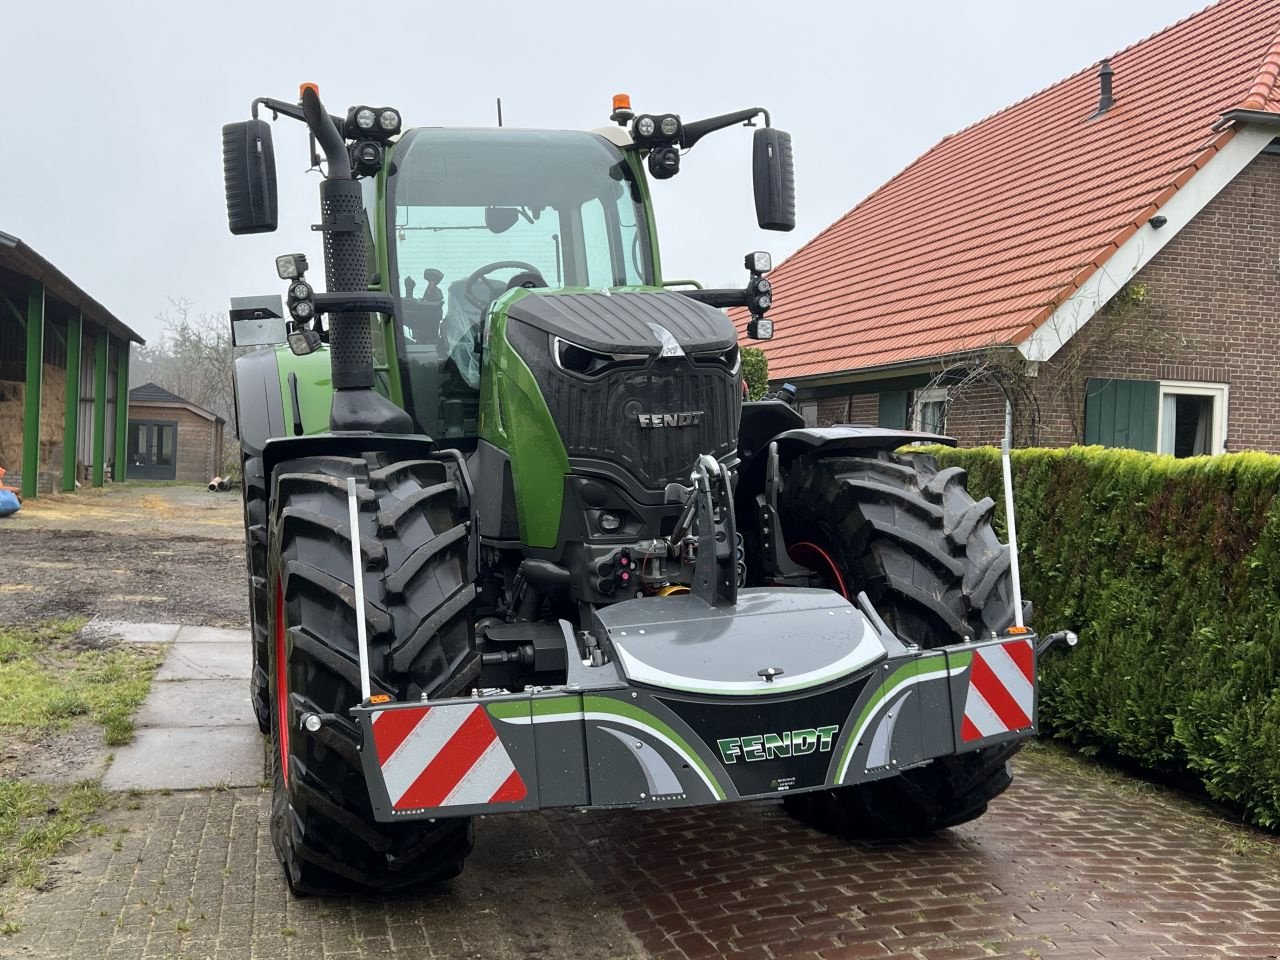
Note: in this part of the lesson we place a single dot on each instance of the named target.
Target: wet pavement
(1069, 863)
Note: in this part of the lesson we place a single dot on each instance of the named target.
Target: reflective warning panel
(443, 756)
(1001, 696)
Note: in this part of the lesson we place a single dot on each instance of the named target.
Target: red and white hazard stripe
(1001, 690)
(443, 757)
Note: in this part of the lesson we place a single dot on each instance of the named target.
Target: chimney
(1105, 99)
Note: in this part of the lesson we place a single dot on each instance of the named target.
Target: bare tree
(1003, 369)
(192, 358)
(1129, 325)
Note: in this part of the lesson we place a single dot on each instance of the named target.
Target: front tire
(255, 534)
(911, 537)
(418, 610)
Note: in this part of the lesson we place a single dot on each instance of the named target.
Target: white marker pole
(1009, 515)
(357, 580)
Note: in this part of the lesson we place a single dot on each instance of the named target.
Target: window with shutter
(893, 409)
(1122, 413)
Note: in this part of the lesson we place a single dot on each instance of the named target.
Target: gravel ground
(166, 554)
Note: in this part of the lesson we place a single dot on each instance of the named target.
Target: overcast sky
(111, 159)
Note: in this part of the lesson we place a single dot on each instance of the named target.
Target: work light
(291, 266)
(366, 157)
(759, 261)
(389, 121)
(366, 118)
(664, 162)
(303, 341)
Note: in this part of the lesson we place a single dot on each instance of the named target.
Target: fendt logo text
(767, 746)
(658, 421)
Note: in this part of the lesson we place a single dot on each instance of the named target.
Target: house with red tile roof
(1103, 255)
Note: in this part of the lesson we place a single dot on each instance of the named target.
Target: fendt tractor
(516, 542)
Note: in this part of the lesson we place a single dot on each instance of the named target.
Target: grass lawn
(50, 680)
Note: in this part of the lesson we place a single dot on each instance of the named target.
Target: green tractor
(515, 540)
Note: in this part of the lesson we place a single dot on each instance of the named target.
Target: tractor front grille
(690, 408)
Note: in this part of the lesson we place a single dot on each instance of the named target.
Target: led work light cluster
(759, 295)
(370, 128)
(303, 338)
(660, 133)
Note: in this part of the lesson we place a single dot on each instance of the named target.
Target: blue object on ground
(9, 502)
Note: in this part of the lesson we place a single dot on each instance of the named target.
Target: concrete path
(196, 727)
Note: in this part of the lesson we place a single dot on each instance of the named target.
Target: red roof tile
(977, 241)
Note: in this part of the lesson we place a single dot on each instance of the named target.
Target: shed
(171, 438)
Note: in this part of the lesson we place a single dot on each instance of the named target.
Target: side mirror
(249, 168)
(775, 181)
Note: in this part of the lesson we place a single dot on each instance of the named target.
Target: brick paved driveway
(1069, 863)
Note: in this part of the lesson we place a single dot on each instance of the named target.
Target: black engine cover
(600, 364)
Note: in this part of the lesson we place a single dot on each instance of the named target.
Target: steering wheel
(532, 277)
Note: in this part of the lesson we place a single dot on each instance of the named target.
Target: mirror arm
(722, 297)
(692, 132)
(291, 110)
(276, 107)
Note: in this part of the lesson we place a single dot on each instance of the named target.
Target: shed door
(153, 449)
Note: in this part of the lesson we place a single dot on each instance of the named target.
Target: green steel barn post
(100, 405)
(71, 420)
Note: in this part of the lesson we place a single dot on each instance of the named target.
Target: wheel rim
(282, 688)
(811, 555)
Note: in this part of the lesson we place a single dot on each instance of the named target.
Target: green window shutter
(1121, 413)
(893, 409)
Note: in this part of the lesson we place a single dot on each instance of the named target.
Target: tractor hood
(627, 323)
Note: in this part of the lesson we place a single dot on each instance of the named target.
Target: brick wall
(1208, 310)
(859, 408)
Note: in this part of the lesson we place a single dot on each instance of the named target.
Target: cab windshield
(475, 213)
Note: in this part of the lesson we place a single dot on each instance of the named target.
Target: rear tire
(418, 606)
(911, 537)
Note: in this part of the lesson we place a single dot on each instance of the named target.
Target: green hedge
(755, 370)
(1170, 572)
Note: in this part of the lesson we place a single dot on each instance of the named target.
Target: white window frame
(1221, 394)
(809, 410)
(932, 395)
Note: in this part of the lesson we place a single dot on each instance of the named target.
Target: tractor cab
(473, 214)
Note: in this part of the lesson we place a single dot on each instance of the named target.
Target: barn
(64, 362)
